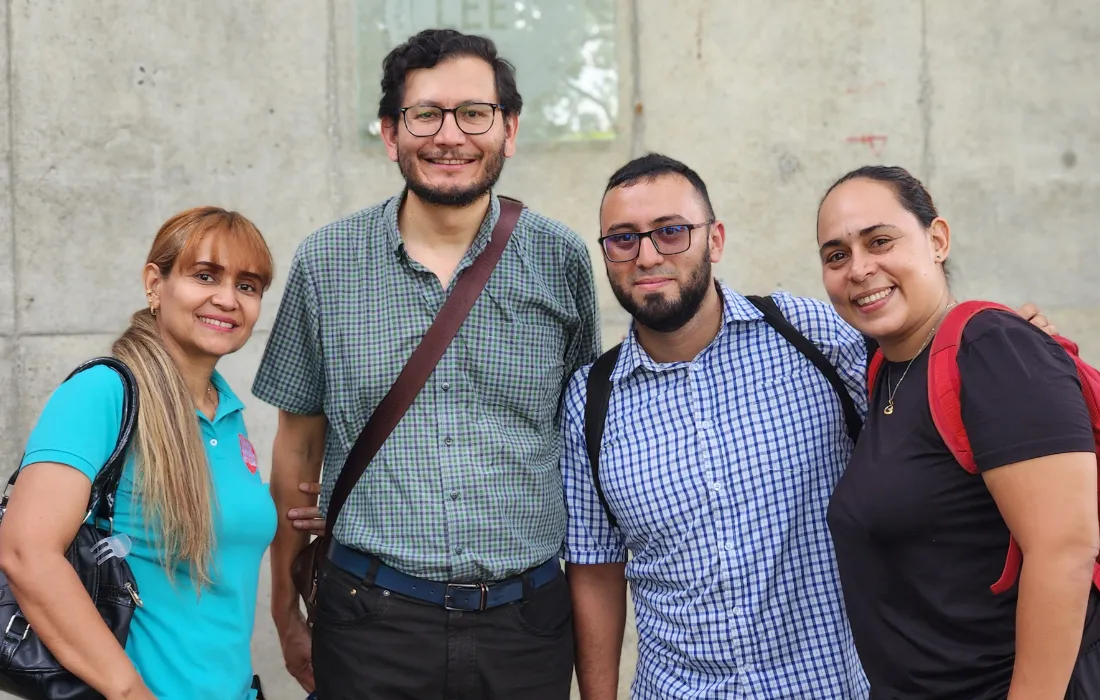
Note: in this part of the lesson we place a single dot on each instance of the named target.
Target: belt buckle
(466, 587)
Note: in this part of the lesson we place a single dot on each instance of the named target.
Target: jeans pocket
(548, 611)
(344, 600)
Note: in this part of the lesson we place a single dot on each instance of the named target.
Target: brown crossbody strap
(423, 361)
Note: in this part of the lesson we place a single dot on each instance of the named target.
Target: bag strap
(423, 360)
(598, 397)
(945, 404)
(775, 318)
(945, 384)
(101, 499)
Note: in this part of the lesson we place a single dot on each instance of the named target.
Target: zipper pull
(133, 594)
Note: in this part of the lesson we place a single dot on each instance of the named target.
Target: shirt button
(458, 549)
(213, 443)
(716, 487)
(697, 368)
(447, 441)
(729, 546)
(704, 424)
(454, 495)
(446, 386)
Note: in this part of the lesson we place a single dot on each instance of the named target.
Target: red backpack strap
(873, 368)
(944, 388)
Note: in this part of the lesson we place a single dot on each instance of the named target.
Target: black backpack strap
(872, 346)
(595, 414)
(804, 345)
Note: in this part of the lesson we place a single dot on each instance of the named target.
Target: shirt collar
(481, 240)
(227, 400)
(735, 309)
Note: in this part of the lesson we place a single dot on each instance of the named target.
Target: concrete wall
(118, 113)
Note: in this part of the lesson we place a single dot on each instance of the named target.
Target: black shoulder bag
(27, 668)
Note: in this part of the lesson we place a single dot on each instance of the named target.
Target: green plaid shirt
(467, 487)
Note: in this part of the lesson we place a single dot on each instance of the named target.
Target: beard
(664, 315)
(492, 165)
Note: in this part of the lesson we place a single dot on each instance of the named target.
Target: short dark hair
(430, 47)
(653, 165)
(910, 192)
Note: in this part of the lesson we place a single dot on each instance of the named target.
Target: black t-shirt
(919, 540)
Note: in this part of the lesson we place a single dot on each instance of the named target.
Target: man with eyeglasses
(444, 579)
(720, 444)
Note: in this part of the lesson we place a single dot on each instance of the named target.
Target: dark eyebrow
(463, 103)
(866, 231)
(221, 268)
(666, 220)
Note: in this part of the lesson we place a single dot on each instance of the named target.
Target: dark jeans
(370, 644)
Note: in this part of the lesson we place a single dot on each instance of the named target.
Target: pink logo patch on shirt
(248, 454)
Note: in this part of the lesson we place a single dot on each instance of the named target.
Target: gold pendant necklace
(889, 410)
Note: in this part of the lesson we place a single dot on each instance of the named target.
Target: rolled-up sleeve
(589, 538)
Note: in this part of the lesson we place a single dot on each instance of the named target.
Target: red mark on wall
(866, 88)
(873, 141)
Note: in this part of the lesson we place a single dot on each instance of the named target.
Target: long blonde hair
(173, 476)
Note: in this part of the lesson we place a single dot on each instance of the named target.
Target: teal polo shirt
(185, 645)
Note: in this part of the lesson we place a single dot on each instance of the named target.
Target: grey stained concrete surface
(116, 114)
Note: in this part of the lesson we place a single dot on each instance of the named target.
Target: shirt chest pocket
(517, 370)
(792, 421)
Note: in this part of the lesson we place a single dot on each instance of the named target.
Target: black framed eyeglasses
(472, 118)
(668, 240)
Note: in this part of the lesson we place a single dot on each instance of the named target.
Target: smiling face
(208, 303)
(661, 292)
(881, 268)
(450, 168)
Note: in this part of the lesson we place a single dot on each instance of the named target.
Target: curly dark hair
(428, 48)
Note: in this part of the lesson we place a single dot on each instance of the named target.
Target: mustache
(653, 274)
(449, 156)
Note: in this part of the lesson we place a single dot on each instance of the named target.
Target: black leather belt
(452, 596)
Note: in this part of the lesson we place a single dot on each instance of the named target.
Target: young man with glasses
(444, 579)
(720, 446)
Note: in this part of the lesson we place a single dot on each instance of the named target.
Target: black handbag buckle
(26, 627)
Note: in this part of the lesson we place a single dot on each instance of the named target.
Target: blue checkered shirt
(719, 471)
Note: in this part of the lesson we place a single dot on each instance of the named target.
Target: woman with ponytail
(191, 499)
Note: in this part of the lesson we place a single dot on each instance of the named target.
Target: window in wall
(563, 51)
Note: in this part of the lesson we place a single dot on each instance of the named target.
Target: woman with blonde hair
(190, 500)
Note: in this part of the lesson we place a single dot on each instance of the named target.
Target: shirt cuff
(597, 556)
(61, 457)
